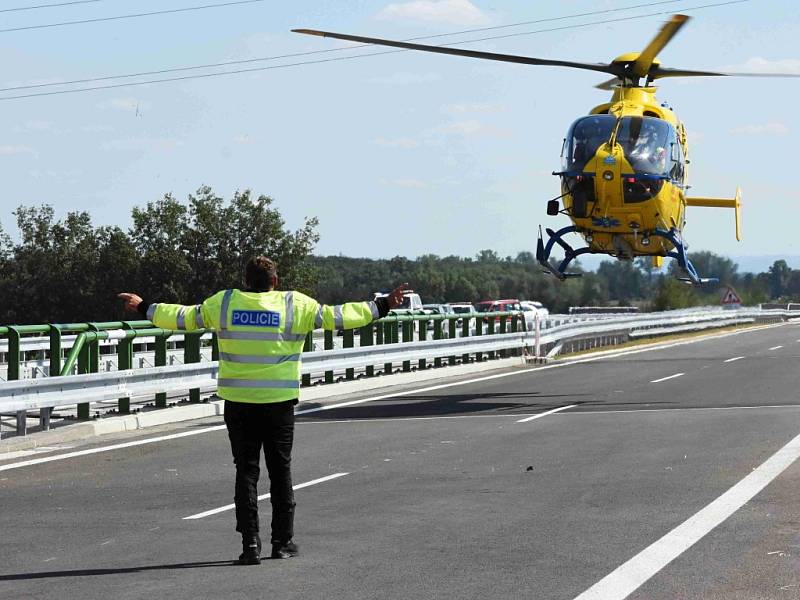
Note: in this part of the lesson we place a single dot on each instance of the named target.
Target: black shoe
(287, 550)
(251, 551)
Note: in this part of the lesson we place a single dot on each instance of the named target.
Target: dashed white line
(160, 438)
(776, 347)
(628, 577)
(214, 511)
(734, 359)
(666, 378)
(545, 413)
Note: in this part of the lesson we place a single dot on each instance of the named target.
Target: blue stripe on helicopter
(605, 222)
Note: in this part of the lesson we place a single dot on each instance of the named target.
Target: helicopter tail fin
(734, 203)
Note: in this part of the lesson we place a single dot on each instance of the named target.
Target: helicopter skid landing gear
(679, 254)
(543, 252)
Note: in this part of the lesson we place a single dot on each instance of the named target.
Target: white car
(411, 302)
(532, 309)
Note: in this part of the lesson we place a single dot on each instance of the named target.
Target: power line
(130, 16)
(21, 8)
(339, 49)
(364, 55)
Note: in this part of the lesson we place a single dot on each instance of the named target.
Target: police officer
(261, 332)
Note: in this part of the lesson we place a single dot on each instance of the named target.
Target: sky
(402, 153)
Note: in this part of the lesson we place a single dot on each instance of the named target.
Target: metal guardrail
(387, 344)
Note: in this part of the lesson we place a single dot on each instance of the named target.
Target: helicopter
(624, 165)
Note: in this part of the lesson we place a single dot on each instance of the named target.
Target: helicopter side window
(584, 138)
(676, 172)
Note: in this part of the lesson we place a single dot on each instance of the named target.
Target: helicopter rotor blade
(645, 60)
(525, 60)
(608, 85)
(660, 72)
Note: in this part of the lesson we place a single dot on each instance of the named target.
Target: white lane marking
(597, 356)
(161, 438)
(776, 347)
(666, 378)
(734, 359)
(392, 419)
(544, 414)
(628, 577)
(649, 410)
(214, 511)
(583, 412)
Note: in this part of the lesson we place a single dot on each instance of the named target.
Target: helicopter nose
(608, 174)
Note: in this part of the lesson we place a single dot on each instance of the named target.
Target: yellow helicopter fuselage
(616, 219)
(625, 176)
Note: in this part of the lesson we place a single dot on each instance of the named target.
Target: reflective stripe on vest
(318, 319)
(338, 319)
(198, 317)
(259, 383)
(258, 360)
(151, 311)
(181, 318)
(223, 311)
(265, 336)
(373, 308)
(289, 313)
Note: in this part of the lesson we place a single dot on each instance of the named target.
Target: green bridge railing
(84, 355)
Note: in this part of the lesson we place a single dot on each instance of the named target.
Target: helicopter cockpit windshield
(646, 141)
(650, 144)
(584, 138)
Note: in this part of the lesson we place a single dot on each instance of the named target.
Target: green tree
(779, 274)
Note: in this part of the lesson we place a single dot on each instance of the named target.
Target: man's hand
(131, 301)
(395, 297)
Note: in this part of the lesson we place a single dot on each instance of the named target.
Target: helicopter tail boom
(734, 203)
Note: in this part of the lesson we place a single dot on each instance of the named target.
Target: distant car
(411, 302)
(499, 306)
(531, 310)
(462, 308)
(438, 309)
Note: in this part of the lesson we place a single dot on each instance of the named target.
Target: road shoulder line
(631, 575)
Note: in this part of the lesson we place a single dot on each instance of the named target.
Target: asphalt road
(456, 493)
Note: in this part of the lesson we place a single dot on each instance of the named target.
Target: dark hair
(258, 273)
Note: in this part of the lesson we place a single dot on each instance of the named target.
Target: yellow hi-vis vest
(261, 336)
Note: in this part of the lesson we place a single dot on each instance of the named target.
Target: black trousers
(251, 427)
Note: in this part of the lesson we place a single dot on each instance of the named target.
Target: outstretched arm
(169, 316)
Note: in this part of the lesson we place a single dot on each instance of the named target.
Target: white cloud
(242, 138)
(10, 150)
(417, 184)
(404, 143)
(58, 175)
(472, 128)
(765, 129)
(142, 143)
(473, 107)
(37, 127)
(126, 104)
(97, 128)
(446, 12)
(757, 64)
(407, 78)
